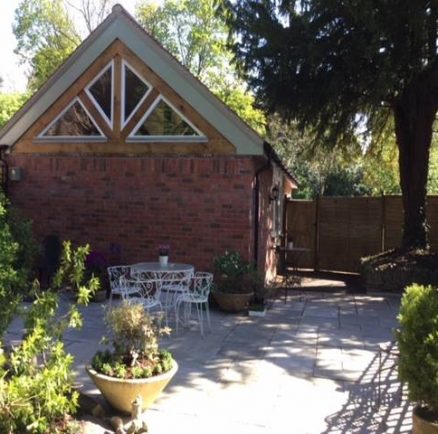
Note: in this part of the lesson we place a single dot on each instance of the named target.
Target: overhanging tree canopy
(340, 65)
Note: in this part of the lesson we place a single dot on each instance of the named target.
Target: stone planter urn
(230, 302)
(120, 393)
(420, 425)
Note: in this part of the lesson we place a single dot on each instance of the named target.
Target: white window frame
(200, 137)
(123, 121)
(41, 137)
(110, 122)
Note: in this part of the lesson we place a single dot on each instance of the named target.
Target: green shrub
(72, 272)
(21, 229)
(36, 381)
(12, 278)
(418, 343)
(233, 275)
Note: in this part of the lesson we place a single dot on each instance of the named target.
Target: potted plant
(417, 340)
(135, 365)
(234, 282)
(163, 254)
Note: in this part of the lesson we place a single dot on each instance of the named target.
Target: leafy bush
(233, 275)
(134, 337)
(96, 266)
(72, 272)
(395, 269)
(36, 383)
(418, 343)
(17, 253)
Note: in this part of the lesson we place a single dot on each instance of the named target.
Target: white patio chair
(174, 283)
(144, 291)
(197, 295)
(117, 275)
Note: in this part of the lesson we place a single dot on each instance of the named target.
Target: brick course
(126, 206)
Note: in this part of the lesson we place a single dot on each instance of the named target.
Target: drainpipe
(257, 208)
(3, 169)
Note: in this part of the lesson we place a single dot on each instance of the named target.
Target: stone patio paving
(310, 366)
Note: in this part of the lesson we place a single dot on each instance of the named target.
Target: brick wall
(126, 206)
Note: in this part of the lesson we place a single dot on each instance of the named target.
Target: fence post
(316, 240)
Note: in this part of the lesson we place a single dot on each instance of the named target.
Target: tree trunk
(414, 115)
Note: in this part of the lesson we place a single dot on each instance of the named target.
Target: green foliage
(234, 94)
(234, 275)
(319, 171)
(330, 64)
(432, 181)
(9, 104)
(190, 30)
(21, 230)
(14, 265)
(345, 70)
(194, 33)
(134, 338)
(72, 272)
(36, 381)
(45, 37)
(418, 343)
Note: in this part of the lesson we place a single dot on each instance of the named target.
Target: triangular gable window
(165, 122)
(101, 92)
(73, 123)
(135, 90)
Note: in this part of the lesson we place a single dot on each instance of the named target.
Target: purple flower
(163, 249)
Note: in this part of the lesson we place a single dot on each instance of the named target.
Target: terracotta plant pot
(422, 426)
(232, 302)
(120, 392)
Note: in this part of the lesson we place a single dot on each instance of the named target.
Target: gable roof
(120, 25)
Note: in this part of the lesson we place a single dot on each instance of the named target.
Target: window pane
(101, 91)
(74, 122)
(135, 89)
(164, 121)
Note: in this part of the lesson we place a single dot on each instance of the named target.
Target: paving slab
(310, 366)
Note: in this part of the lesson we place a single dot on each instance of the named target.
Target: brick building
(124, 149)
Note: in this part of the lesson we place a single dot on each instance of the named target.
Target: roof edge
(272, 154)
(58, 72)
(7, 132)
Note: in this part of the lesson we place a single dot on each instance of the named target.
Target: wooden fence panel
(341, 230)
(347, 231)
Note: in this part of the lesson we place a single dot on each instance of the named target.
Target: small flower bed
(108, 364)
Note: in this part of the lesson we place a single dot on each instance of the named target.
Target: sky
(11, 71)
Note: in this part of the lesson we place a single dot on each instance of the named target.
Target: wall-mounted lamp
(15, 173)
(274, 193)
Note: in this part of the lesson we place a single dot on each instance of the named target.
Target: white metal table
(155, 267)
(175, 278)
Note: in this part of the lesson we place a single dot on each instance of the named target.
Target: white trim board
(41, 136)
(126, 64)
(198, 137)
(110, 122)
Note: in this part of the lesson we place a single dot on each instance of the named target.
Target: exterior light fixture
(274, 193)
